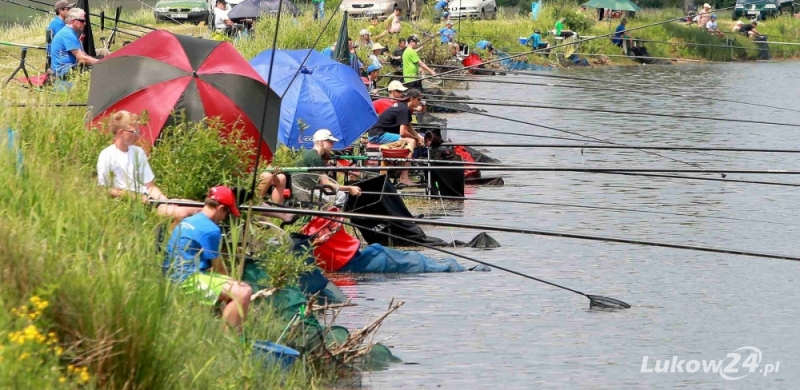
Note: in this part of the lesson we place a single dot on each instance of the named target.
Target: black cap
(412, 39)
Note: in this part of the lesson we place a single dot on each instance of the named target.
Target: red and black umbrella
(170, 75)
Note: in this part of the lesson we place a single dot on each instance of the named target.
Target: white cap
(324, 135)
(364, 32)
(396, 86)
(377, 46)
(706, 5)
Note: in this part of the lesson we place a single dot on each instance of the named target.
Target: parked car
(182, 11)
(381, 8)
(761, 9)
(483, 9)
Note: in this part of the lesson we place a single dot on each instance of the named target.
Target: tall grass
(95, 261)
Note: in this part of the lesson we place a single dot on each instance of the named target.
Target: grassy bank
(83, 301)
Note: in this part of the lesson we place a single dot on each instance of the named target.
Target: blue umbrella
(325, 95)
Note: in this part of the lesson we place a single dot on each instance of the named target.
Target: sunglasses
(80, 20)
(135, 132)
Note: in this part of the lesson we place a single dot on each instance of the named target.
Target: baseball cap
(713, 16)
(225, 197)
(706, 5)
(364, 32)
(373, 68)
(396, 86)
(324, 135)
(377, 46)
(413, 38)
(61, 4)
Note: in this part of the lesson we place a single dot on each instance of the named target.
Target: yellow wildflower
(58, 350)
(24, 356)
(62, 380)
(70, 368)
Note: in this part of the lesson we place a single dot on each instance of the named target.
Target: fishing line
(715, 46)
(561, 130)
(651, 93)
(605, 111)
(515, 134)
(121, 21)
(517, 230)
(523, 168)
(51, 12)
(604, 208)
(770, 183)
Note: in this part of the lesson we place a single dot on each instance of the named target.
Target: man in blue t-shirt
(66, 51)
(619, 34)
(62, 8)
(536, 43)
(440, 7)
(193, 257)
(448, 36)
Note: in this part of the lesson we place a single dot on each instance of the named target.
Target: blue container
(523, 41)
(275, 353)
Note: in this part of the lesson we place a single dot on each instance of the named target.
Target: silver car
(380, 8)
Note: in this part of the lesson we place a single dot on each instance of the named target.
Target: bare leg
(278, 182)
(238, 297)
(412, 144)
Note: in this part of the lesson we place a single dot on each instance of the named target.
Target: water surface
(497, 330)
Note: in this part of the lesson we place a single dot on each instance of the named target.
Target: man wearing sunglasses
(65, 50)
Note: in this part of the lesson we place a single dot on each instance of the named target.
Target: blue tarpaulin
(326, 94)
(377, 258)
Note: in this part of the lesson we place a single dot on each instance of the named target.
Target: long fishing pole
(716, 46)
(651, 93)
(121, 21)
(548, 169)
(22, 45)
(606, 111)
(560, 130)
(515, 134)
(413, 160)
(579, 206)
(769, 183)
(644, 147)
(509, 229)
(595, 301)
(50, 12)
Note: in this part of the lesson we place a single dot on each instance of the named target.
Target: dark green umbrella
(342, 50)
(616, 5)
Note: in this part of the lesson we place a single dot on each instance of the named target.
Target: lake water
(497, 330)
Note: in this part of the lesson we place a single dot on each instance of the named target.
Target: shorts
(385, 138)
(208, 285)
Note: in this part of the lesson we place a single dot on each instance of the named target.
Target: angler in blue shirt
(62, 8)
(66, 50)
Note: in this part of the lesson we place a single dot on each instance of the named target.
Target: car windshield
(752, 1)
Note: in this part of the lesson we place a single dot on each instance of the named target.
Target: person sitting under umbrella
(124, 169)
(66, 50)
(373, 74)
(274, 184)
(394, 125)
(315, 157)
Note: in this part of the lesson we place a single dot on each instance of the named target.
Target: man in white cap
(365, 38)
(396, 92)
(315, 157)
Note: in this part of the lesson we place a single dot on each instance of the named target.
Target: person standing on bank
(412, 63)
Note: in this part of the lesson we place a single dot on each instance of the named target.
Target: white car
(483, 9)
(380, 8)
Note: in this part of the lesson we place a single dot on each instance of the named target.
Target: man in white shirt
(123, 168)
(222, 23)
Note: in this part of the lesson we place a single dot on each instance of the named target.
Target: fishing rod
(574, 42)
(509, 229)
(560, 130)
(723, 179)
(716, 46)
(539, 106)
(50, 12)
(412, 160)
(504, 168)
(515, 134)
(579, 206)
(121, 21)
(633, 57)
(493, 81)
(22, 45)
(595, 301)
(644, 147)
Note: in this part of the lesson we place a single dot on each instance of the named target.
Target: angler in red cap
(193, 257)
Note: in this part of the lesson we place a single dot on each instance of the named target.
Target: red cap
(224, 196)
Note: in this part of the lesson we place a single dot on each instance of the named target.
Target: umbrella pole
(247, 231)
